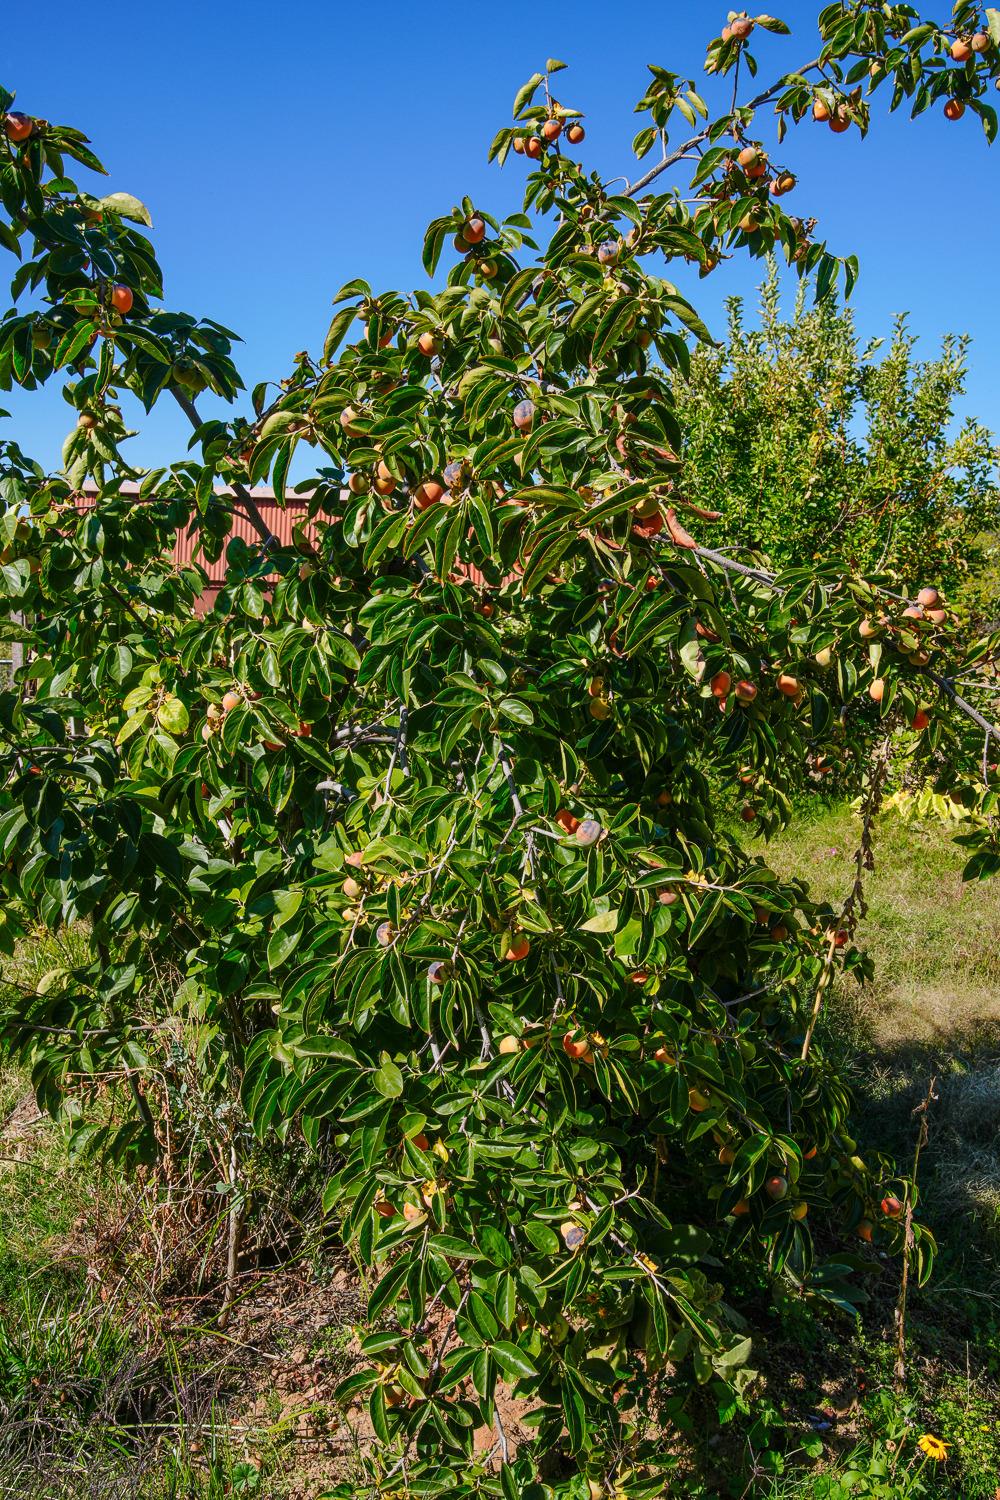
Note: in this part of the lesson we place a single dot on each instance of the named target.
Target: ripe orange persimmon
(575, 134)
(954, 109)
(18, 127)
(122, 299)
(576, 1047)
(427, 494)
(519, 948)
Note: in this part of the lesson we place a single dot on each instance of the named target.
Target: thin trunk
(235, 1229)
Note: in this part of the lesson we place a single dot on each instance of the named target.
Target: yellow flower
(933, 1447)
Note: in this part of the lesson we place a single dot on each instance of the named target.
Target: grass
(105, 1395)
(933, 939)
(931, 1012)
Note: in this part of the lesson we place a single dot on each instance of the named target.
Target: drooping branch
(769, 580)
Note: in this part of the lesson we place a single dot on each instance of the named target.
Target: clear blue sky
(284, 148)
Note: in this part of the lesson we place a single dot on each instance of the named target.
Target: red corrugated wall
(280, 520)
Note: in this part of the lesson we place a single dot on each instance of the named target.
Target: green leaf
(542, 1237)
(127, 207)
(710, 908)
(526, 92)
(172, 714)
(339, 325)
(282, 945)
(605, 921)
(73, 343)
(388, 1079)
(513, 1361)
(286, 904)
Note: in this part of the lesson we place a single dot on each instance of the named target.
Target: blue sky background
(285, 148)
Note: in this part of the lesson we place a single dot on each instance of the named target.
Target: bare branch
(265, 533)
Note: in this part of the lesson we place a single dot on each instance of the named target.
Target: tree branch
(703, 135)
(944, 683)
(257, 521)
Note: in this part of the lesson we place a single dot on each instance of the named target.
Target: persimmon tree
(415, 836)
